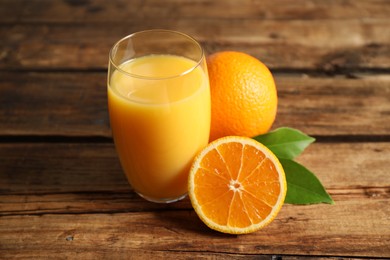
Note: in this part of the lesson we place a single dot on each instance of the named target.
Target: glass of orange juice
(159, 106)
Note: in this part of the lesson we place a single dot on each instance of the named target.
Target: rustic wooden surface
(62, 191)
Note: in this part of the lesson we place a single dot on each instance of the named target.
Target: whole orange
(243, 95)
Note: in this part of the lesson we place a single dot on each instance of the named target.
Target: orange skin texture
(243, 95)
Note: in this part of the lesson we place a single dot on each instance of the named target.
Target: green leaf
(285, 142)
(303, 187)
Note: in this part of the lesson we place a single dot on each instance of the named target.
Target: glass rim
(192, 39)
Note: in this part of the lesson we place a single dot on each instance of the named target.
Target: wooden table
(62, 191)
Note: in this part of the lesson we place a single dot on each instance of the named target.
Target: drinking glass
(159, 106)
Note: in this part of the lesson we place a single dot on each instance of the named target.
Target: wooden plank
(135, 254)
(20, 11)
(54, 104)
(308, 230)
(28, 168)
(335, 106)
(143, 254)
(328, 45)
(87, 178)
(74, 104)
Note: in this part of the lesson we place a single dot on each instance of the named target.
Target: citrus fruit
(243, 95)
(236, 185)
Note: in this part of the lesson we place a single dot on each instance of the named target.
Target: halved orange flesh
(236, 185)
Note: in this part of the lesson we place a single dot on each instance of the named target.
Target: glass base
(163, 200)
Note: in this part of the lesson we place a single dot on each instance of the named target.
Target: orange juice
(159, 109)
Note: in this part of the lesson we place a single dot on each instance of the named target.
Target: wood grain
(324, 45)
(98, 11)
(333, 231)
(134, 254)
(75, 104)
(28, 168)
(334, 105)
(54, 104)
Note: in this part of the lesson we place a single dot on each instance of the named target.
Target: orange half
(236, 185)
